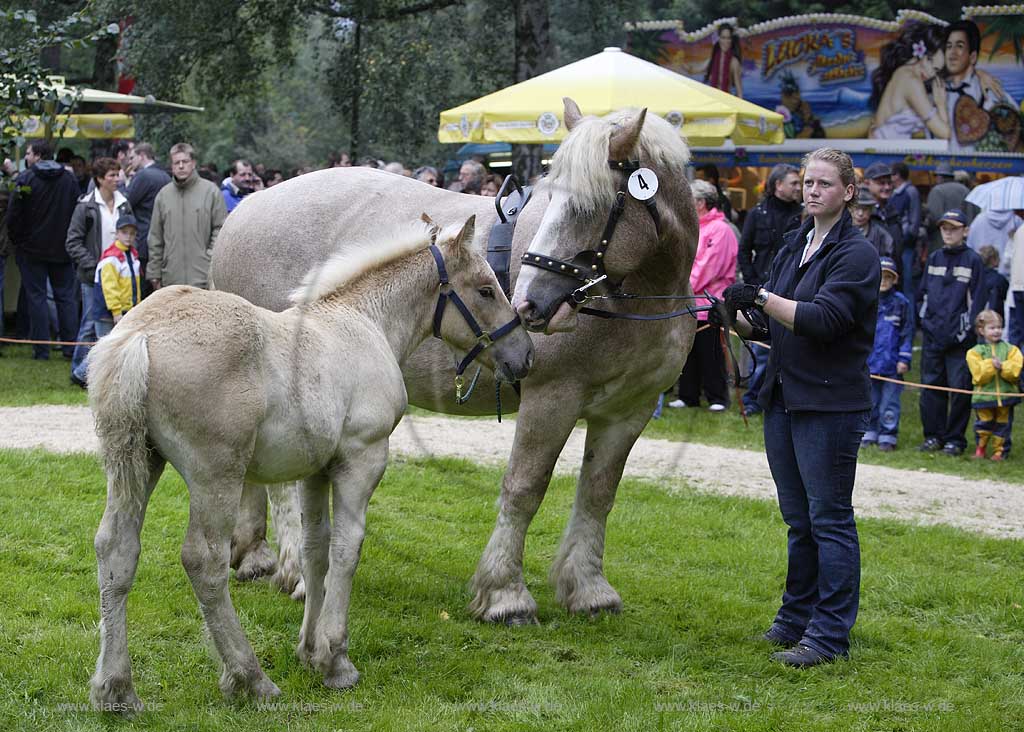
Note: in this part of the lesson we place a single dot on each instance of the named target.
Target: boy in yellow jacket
(995, 369)
(117, 278)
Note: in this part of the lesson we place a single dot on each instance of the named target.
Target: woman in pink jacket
(714, 269)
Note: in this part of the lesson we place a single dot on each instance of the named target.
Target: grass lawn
(939, 644)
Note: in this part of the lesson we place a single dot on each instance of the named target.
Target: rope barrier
(911, 384)
(17, 341)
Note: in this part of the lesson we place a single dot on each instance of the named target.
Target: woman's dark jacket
(822, 364)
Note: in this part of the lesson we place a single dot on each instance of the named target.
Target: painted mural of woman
(906, 94)
(725, 69)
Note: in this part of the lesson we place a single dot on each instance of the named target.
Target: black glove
(721, 314)
(740, 296)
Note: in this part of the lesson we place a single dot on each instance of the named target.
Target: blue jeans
(35, 274)
(86, 332)
(1016, 334)
(103, 328)
(884, 423)
(3, 267)
(756, 379)
(908, 283)
(813, 459)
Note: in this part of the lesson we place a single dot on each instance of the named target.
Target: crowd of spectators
(943, 265)
(942, 262)
(63, 223)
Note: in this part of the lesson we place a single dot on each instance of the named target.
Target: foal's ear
(623, 140)
(434, 228)
(572, 114)
(464, 241)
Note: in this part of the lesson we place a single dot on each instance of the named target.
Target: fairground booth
(916, 90)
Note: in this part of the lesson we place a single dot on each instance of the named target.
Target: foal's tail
(118, 370)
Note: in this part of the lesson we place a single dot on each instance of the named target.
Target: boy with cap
(890, 357)
(862, 210)
(117, 282)
(951, 295)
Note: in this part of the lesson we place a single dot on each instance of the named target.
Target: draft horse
(608, 372)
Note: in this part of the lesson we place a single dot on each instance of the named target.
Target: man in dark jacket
(878, 178)
(950, 297)
(765, 225)
(38, 224)
(862, 211)
(149, 179)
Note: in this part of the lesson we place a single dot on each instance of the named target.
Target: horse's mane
(359, 258)
(580, 166)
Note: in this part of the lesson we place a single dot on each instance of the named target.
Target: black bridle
(588, 265)
(484, 339)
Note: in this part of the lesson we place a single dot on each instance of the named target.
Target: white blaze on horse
(228, 392)
(586, 213)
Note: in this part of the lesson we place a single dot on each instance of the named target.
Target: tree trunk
(357, 88)
(532, 57)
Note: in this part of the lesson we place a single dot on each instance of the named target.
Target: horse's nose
(528, 314)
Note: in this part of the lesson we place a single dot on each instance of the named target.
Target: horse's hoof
(344, 675)
(520, 619)
(511, 606)
(256, 563)
(115, 696)
(264, 688)
(288, 579)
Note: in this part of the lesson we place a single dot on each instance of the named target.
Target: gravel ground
(921, 497)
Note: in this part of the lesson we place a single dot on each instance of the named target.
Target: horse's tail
(118, 373)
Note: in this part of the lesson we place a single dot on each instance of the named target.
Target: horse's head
(617, 191)
(474, 315)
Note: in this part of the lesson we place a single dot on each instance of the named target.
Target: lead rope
(459, 398)
(497, 398)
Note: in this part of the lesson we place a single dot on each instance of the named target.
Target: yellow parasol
(531, 111)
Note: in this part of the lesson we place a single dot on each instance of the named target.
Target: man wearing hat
(878, 178)
(945, 195)
(890, 357)
(951, 295)
(862, 211)
(117, 282)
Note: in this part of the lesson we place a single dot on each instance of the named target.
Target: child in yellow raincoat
(995, 369)
(117, 278)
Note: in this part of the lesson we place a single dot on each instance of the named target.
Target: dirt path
(919, 496)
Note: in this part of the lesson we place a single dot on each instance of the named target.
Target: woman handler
(818, 310)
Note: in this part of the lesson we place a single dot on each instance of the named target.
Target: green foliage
(25, 33)
(937, 645)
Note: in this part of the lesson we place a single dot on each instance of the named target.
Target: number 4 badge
(643, 184)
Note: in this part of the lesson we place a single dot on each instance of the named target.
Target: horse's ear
(434, 228)
(623, 140)
(572, 114)
(463, 242)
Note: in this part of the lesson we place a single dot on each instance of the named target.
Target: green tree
(28, 38)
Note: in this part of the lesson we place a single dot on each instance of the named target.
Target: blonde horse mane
(580, 166)
(360, 258)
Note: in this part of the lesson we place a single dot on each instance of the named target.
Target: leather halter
(445, 295)
(588, 265)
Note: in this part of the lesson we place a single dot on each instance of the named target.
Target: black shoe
(932, 444)
(952, 449)
(78, 382)
(886, 447)
(802, 657)
(777, 636)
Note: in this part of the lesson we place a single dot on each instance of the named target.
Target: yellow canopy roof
(90, 126)
(531, 111)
